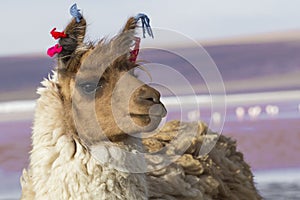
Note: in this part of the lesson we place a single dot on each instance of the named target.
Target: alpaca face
(102, 96)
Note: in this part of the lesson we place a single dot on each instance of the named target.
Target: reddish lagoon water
(269, 139)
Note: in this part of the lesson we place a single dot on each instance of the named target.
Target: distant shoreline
(23, 109)
(244, 68)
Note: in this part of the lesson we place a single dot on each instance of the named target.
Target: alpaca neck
(69, 170)
(125, 156)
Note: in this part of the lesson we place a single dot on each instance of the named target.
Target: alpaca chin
(147, 123)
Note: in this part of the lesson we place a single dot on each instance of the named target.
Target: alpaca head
(101, 95)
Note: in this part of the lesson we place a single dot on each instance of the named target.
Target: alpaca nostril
(149, 99)
(152, 99)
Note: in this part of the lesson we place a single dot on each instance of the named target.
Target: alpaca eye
(89, 88)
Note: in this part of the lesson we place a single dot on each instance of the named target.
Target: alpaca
(92, 105)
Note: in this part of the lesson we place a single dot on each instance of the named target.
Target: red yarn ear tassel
(57, 34)
(54, 50)
(135, 52)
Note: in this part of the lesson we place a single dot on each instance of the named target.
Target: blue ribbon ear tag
(74, 11)
(145, 24)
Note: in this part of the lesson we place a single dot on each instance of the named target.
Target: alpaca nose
(149, 95)
(150, 98)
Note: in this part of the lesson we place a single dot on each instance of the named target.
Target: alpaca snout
(149, 100)
(158, 110)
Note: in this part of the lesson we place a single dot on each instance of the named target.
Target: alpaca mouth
(146, 115)
(155, 111)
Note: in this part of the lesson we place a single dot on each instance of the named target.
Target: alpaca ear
(75, 32)
(129, 32)
(119, 47)
(131, 24)
(127, 38)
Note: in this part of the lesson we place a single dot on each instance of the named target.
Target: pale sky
(25, 25)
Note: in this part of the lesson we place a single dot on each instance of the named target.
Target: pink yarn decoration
(54, 50)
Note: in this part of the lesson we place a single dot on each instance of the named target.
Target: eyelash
(89, 88)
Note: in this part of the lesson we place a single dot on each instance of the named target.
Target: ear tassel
(56, 35)
(54, 50)
(146, 29)
(145, 24)
(74, 11)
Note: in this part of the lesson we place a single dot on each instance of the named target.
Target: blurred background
(255, 46)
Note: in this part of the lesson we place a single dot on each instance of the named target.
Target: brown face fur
(102, 97)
